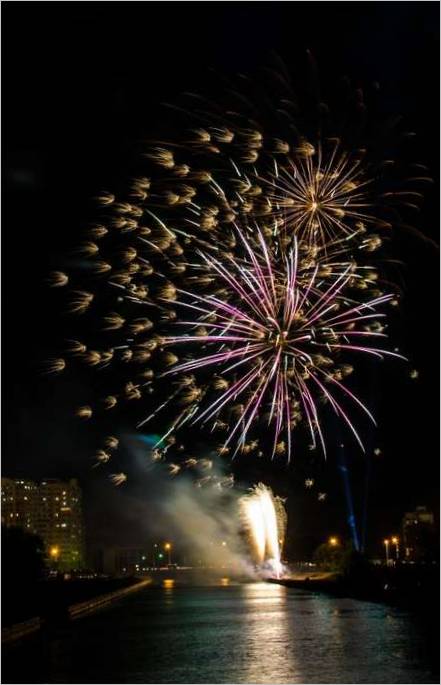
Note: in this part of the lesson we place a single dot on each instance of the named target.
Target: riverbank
(409, 587)
(63, 615)
(51, 600)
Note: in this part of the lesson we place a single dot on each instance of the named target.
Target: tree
(343, 559)
(330, 557)
(22, 557)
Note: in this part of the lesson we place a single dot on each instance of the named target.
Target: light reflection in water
(266, 635)
(289, 636)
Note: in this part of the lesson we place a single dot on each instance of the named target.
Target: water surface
(250, 633)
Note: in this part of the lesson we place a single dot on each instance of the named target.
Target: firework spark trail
(279, 328)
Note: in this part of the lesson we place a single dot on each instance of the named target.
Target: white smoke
(209, 525)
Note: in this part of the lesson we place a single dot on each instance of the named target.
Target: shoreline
(16, 631)
(421, 597)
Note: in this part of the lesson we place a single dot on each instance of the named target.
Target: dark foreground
(249, 633)
(50, 600)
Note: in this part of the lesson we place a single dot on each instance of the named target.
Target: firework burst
(274, 342)
(228, 290)
(323, 201)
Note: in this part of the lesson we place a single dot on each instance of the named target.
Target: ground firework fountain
(264, 520)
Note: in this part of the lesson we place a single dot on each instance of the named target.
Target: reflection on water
(255, 633)
(304, 638)
(263, 652)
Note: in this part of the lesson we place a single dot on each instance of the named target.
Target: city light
(396, 542)
(386, 546)
(54, 552)
(333, 541)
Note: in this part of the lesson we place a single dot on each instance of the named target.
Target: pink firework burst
(276, 339)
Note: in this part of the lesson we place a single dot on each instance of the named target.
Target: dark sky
(81, 83)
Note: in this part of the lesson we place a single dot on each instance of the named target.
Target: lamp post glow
(396, 542)
(333, 541)
(167, 548)
(386, 547)
(54, 552)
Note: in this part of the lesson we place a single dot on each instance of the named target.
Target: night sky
(82, 82)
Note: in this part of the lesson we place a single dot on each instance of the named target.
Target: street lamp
(54, 552)
(333, 541)
(167, 548)
(386, 547)
(396, 542)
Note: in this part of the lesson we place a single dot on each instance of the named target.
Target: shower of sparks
(264, 520)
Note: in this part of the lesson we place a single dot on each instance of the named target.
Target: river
(244, 633)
